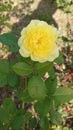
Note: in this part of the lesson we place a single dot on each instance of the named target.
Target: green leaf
(26, 60)
(24, 96)
(44, 123)
(4, 66)
(9, 105)
(63, 94)
(55, 117)
(22, 69)
(13, 80)
(36, 88)
(42, 68)
(4, 115)
(20, 111)
(10, 40)
(51, 84)
(2, 127)
(27, 116)
(60, 59)
(17, 122)
(3, 79)
(51, 72)
(33, 123)
(7, 110)
(42, 108)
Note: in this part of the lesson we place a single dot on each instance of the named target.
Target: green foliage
(11, 117)
(32, 123)
(9, 105)
(24, 96)
(1, 127)
(44, 123)
(64, 5)
(3, 18)
(27, 116)
(60, 59)
(7, 110)
(42, 68)
(5, 8)
(13, 80)
(10, 40)
(22, 69)
(4, 70)
(7, 76)
(37, 88)
(26, 60)
(19, 120)
(51, 84)
(55, 117)
(4, 115)
(63, 95)
(4, 66)
(42, 108)
(30, 88)
(3, 80)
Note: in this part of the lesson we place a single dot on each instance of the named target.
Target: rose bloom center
(40, 41)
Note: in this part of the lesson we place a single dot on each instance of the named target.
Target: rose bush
(38, 41)
(26, 79)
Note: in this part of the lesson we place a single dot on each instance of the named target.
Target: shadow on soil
(44, 11)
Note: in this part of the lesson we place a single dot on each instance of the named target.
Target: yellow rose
(38, 41)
